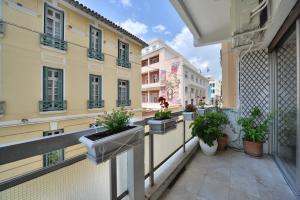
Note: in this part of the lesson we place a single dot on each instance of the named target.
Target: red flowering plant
(190, 108)
(163, 113)
(202, 102)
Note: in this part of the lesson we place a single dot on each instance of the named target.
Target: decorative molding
(22, 9)
(53, 58)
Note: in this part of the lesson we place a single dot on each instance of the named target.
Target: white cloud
(203, 58)
(167, 32)
(159, 28)
(126, 3)
(134, 27)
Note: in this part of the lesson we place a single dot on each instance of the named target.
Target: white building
(167, 73)
(215, 88)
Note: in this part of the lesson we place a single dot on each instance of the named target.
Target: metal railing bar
(167, 158)
(40, 172)
(124, 194)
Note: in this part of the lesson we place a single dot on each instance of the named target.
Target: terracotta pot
(222, 142)
(253, 148)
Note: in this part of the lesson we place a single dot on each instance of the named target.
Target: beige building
(229, 76)
(167, 73)
(61, 66)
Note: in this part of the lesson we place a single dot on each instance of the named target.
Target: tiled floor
(230, 175)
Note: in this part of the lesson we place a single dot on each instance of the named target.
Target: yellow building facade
(61, 66)
(229, 76)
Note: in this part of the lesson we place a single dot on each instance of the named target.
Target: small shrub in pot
(189, 112)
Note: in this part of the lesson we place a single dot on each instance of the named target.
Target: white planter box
(189, 116)
(162, 126)
(201, 111)
(101, 146)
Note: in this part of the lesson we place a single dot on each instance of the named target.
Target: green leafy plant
(163, 113)
(116, 121)
(201, 102)
(209, 127)
(254, 127)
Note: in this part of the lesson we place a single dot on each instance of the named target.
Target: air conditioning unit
(248, 18)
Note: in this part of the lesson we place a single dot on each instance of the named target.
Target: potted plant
(201, 104)
(189, 112)
(162, 121)
(207, 129)
(222, 120)
(113, 136)
(255, 130)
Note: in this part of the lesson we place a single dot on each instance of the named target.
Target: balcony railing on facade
(123, 102)
(41, 146)
(50, 41)
(46, 106)
(98, 55)
(95, 104)
(2, 107)
(123, 63)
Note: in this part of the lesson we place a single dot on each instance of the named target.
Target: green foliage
(255, 129)
(209, 127)
(161, 115)
(116, 121)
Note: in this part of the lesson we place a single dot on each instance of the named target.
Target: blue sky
(149, 19)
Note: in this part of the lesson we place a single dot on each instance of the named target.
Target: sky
(150, 19)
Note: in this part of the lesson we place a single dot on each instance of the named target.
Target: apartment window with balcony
(144, 79)
(154, 59)
(56, 156)
(154, 96)
(144, 63)
(52, 90)
(53, 35)
(95, 97)
(123, 93)
(145, 97)
(186, 74)
(154, 77)
(123, 55)
(192, 77)
(95, 48)
(186, 89)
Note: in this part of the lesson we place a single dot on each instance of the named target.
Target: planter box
(189, 116)
(201, 111)
(162, 126)
(102, 145)
(253, 148)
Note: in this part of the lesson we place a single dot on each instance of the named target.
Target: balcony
(95, 54)
(123, 103)
(123, 63)
(2, 107)
(47, 106)
(50, 41)
(95, 104)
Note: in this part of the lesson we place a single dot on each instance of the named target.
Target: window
(56, 156)
(52, 90)
(144, 62)
(154, 77)
(53, 28)
(123, 93)
(95, 100)
(154, 96)
(95, 50)
(144, 78)
(192, 77)
(145, 97)
(186, 89)
(123, 55)
(186, 74)
(154, 59)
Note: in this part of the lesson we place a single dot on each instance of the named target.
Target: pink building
(167, 73)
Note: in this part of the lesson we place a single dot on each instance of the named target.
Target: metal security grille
(287, 91)
(254, 82)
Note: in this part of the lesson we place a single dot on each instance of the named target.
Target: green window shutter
(45, 83)
(90, 77)
(91, 45)
(127, 52)
(100, 40)
(119, 51)
(100, 88)
(119, 90)
(128, 90)
(60, 85)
